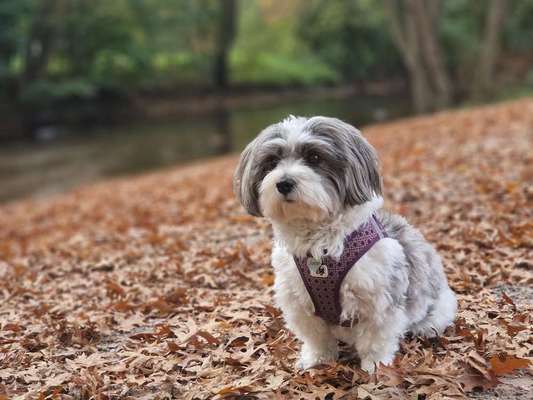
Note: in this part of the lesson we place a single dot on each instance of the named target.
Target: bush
(42, 93)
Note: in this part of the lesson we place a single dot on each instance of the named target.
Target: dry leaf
(503, 364)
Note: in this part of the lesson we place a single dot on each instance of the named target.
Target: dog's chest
(323, 276)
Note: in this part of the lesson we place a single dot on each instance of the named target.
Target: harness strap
(323, 278)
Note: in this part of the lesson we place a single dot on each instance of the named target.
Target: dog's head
(307, 168)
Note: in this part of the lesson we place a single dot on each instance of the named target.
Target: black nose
(285, 186)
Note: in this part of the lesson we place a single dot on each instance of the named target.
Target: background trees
(490, 47)
(447, 51)
(224, 41)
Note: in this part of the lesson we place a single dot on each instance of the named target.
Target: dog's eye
(271, 162)
(313, 158)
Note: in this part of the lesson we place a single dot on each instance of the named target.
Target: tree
(490, 48)
(225, 37)
(414, 25)
(427, 18)
(349, 37)
(40, 40)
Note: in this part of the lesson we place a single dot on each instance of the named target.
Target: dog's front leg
(378, 343)
(291, 296)
(319, 345)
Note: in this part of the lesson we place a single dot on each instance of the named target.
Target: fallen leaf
(503, 364)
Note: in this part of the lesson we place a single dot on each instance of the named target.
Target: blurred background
(96, 88)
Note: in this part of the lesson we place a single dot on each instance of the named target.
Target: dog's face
(306, 168)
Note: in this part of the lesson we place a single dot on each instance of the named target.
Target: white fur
(309, 198)
(301, 234)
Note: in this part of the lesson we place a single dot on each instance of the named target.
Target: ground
(159, 286)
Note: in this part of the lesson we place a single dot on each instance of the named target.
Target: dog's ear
(244, 185)
(363, 181)
(358, 174)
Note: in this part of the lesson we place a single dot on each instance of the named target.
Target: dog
(345, 269)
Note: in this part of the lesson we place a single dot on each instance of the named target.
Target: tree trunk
(420, 88)
(426, 20)
(39, 42)
(490, 48)
(406, 37)
(226, 35)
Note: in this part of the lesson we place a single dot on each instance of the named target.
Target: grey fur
(251, 168)
(360, 170)
(425, 273)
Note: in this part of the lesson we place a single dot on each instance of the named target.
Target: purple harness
(323, 277)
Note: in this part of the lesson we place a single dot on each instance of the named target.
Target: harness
(323, 276)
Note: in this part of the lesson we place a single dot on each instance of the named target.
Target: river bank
(62, 157)
(106, 108)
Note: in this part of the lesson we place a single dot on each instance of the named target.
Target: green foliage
(518, 35)
(130, 45)
(272, 53)
(42, 92)
(11, 14)
(461, 28)
(349, 36)
(275, 69)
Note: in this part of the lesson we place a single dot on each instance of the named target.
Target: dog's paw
(311, 358)
(368, 364)
(305, 364)
(310, 362)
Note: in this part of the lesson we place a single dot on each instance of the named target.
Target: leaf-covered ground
(160, 287)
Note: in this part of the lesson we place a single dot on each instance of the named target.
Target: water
(56, 163)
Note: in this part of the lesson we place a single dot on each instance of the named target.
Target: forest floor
(159, 286)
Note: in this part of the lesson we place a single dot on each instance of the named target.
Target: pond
(57, 162)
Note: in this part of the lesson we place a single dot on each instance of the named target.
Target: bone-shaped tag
(316, 268)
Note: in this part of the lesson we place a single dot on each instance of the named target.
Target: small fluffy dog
(345, 269)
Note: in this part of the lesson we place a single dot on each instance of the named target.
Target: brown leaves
(202, 339)
(267, 279)
(512, 328)
(390, 376)
(32, 345)
(506, 299)
(503, 364)
(13, 327)
(484, 374)
(177, 296)
(479, 364)
(470, 381)
(114, 289)
(160, 306)
(161, 284)
(123, 306)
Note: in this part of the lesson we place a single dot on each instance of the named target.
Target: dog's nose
(285, 186)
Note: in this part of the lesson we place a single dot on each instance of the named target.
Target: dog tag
(316, 268)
